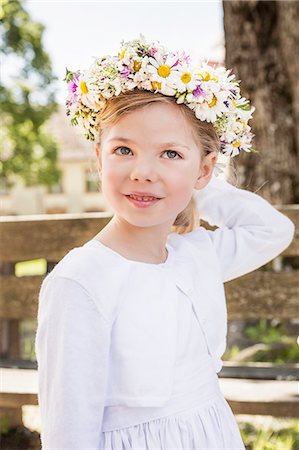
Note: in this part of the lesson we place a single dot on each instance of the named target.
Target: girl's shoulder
(96, 271)
(87, 261)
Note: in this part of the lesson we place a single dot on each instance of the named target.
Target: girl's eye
(172, 154)
(121, 152)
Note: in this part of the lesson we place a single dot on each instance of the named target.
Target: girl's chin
(141, 222)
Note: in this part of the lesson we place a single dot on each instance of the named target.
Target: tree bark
(262, 49)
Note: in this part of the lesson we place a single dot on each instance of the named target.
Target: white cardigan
(107, 326)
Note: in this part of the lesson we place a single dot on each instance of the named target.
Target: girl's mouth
(142, 201)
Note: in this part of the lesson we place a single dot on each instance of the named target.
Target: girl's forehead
(159, 122)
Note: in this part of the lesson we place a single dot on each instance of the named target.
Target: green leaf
(68, 75)
(245, 107)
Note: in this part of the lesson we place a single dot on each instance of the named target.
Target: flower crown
(212, 93)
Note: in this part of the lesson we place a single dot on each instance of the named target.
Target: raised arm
(251, 231)
(72, 347)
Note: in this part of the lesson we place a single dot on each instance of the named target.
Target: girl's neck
(144, 244)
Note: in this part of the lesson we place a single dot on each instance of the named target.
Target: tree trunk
(262, 49)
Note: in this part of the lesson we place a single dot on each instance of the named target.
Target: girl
(132, 324)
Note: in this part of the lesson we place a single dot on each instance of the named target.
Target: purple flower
(73, 84)
(125, 72)
(72, 87)
(198, 92)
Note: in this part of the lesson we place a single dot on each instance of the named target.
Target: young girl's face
(149, 165)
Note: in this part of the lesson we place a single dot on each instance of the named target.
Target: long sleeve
(72, 348)
(251, 231)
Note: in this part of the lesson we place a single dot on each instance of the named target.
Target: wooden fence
(22, 238)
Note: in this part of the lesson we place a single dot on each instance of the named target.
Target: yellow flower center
(121, 56)
(156, 85)
(234, 103)
(237, 144)
(136, 66)
(186, 77)
(164, 71)
(83, 87)
(213, 102)
(207, 77)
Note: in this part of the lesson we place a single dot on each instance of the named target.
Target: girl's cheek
(183, 188)
(113, 172)
(179, 180)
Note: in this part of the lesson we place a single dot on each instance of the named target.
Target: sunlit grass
(33, 267)
(259, 437)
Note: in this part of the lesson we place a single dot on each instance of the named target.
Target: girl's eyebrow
(165, 144)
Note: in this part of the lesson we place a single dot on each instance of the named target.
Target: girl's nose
(144, 170)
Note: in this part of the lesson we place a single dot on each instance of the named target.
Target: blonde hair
(203, 134)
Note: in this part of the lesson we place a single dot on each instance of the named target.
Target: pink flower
(153, 50)
(198, 92)
(72, 88)
(185, 58)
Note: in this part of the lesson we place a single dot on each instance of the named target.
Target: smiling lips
(142, 199)
(144, 196)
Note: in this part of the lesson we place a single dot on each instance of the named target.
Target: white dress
(197, 417)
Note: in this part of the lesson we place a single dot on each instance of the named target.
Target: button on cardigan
(108, 326)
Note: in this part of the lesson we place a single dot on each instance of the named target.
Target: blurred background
(50, 199)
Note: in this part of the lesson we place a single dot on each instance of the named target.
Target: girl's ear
(99, 158)
(206, 170)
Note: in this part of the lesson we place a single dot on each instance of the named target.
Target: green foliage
(265, 332)
(231, 353)
(279, 347)
(4, 425)
(284, 353)
(286, 438)
(27, 96)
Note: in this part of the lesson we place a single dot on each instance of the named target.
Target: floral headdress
(212, 93)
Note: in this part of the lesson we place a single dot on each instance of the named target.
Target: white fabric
(116, 335)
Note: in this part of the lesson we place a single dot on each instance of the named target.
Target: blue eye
(172, 154)
(122, 153)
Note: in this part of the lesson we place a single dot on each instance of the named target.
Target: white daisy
(162, 73)
(87, 90)
(185, 79)
(212, 107)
